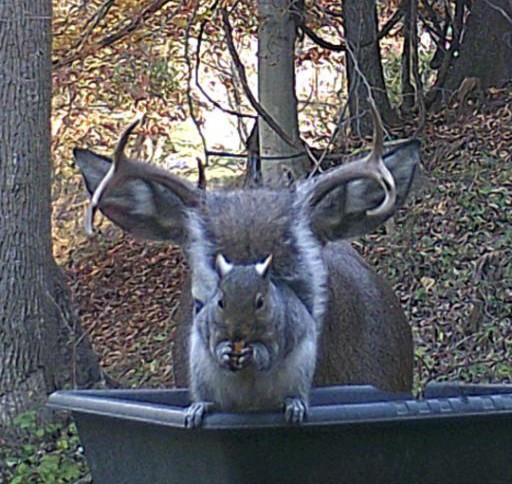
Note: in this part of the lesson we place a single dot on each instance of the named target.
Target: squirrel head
(243, 302)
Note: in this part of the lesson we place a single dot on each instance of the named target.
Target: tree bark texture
(276, 92)
(364, 66)
(486, 48)
(34, 303)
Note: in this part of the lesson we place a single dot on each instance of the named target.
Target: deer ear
(222, 265)
(262, 268)
(140, 202)
(345, 211)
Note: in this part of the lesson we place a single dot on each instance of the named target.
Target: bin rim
(442, 401)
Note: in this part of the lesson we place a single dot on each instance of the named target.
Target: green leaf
(26, 420)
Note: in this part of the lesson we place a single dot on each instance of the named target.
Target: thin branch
(332, 13)
(438, 37)
(93, 22)
(388, 26)
(407, 87)
(200, 87)
(500, 10)
(457, 24)
(432, 16)
(420, 95)
(245, 83)
(190, 101)
(325, 153)
(362, 77)
(228, 154)
(111, 39)
(325, 44)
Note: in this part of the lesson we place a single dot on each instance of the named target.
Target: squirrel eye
(220, 303)
(260, 301)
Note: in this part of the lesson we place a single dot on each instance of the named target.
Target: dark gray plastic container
(354, 434)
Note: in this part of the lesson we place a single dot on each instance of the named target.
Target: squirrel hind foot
(195, 413)
(295, 410)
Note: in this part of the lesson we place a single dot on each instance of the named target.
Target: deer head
(245, 226)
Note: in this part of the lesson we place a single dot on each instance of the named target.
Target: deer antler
(123, 168)
(118, 160)
(375, 161)
(371, 167)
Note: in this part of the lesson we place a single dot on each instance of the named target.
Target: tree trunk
(34, 304)
(360, 22)
(276, 91)
(486, 49)
(408, 93)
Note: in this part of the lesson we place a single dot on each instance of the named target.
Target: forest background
(443, 75)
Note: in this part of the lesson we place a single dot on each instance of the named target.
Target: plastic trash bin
(354, 434)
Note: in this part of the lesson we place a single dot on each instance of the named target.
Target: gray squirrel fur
(276, 366)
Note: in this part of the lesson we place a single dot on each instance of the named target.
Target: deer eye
(260, 301)
(198, 305)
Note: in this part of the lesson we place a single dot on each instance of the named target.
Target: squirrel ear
(263, 267)
(222, 265)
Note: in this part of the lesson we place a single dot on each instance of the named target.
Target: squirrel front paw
(260, 356)
(195, 413)
(229, 359)
(295, 410)
(223, 352)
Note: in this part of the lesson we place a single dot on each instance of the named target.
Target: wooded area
(439, 71)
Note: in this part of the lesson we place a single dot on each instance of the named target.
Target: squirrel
(253, 346)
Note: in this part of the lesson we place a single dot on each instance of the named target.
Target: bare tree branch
(322, 42)
(407, 87)
(386, 28)
(200, 87)
(245, 84)
(341, 46)
(190, 101)
(420, 95)
(361, 76)
(507, 17)
(432, 17)
(457, 23)
(93, 22)
(136, 23)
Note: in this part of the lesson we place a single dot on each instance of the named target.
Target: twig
(322, 42)
(245, 84)
(190, 102)
(325, 153)
(433, 18)
(457, 23)
(420, 96)
(235, 98)
(407, 87)
(395, 18)
(500, 10)
(438, 37)
(363, 78)
(92, 23)
(111, 39)
(200, 87)
(341, 47)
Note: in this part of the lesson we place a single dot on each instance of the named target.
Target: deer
(362, 334)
